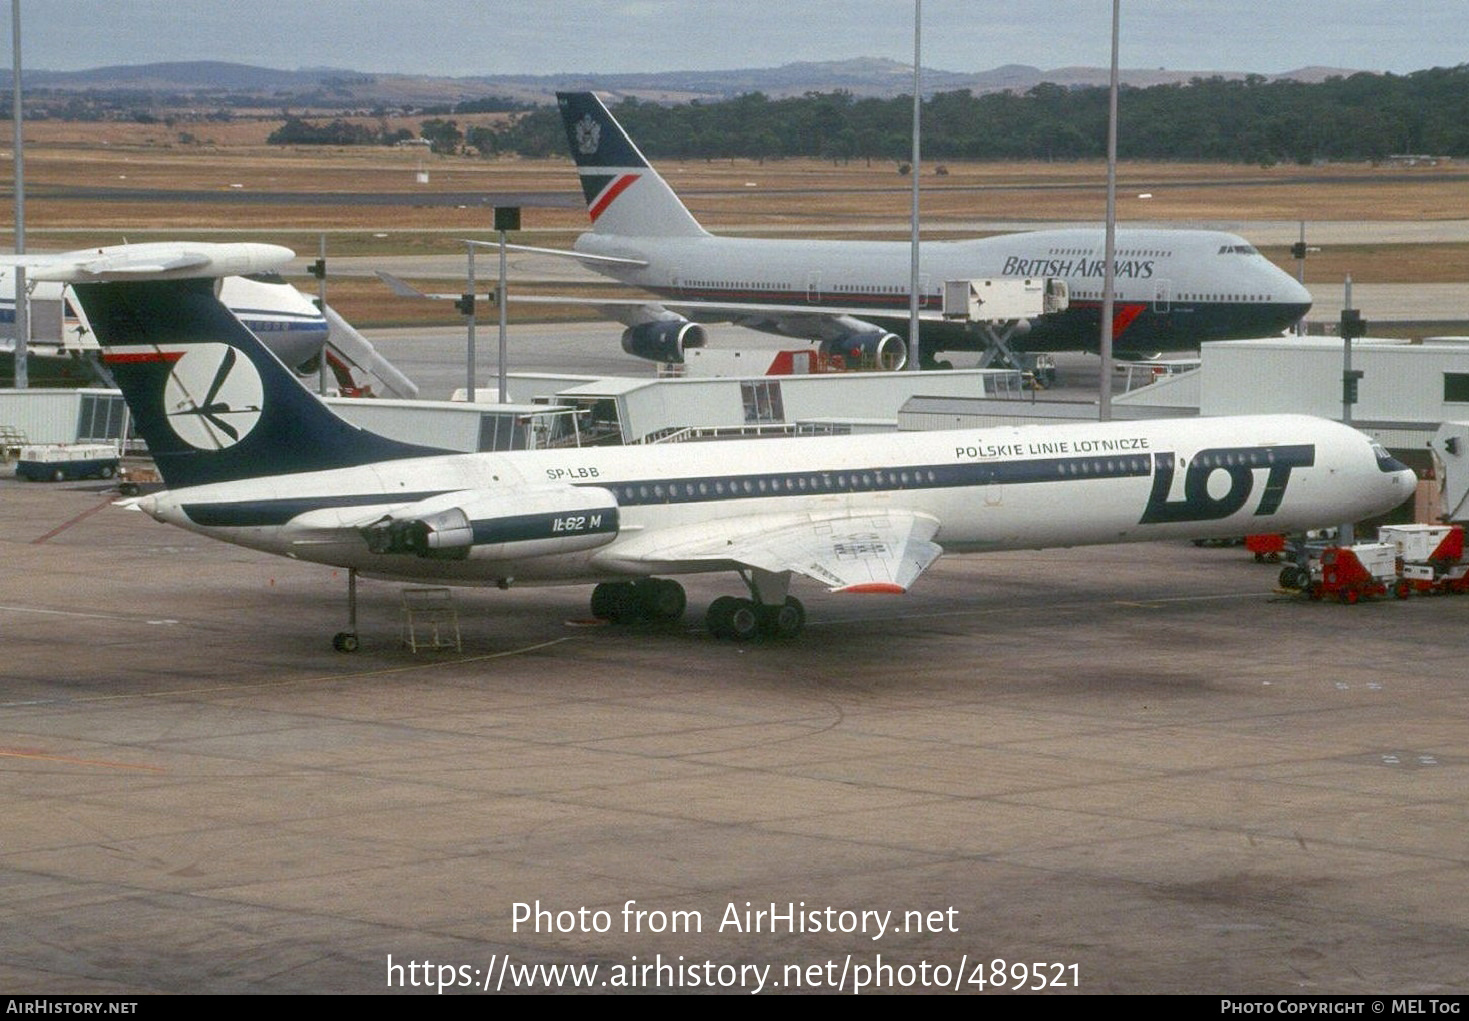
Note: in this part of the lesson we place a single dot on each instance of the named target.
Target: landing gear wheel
(662, 600)
(602, 601)
(744, 621)
(1295, 577)
(345, 641)
(736, 619)
(616, 601)
(784, 621)
(717, 617)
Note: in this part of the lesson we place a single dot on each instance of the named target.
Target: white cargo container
(1419, 543)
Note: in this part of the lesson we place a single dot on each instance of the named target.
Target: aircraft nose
(1399, 481)
(1295, 292)
(1289, 300)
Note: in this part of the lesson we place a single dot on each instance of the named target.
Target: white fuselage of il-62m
(671, 509)
(251, 457)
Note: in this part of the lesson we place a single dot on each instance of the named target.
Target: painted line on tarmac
(67, 613)
(74, 521)
(358, 675)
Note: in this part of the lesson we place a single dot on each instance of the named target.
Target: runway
(1131, 769)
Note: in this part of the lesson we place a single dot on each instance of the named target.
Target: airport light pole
(467, 307)
(1352, 327)
(1109, 272)
(22, 303)
(1298, 252)
(913, 346)
(507, 218)
(318, 270)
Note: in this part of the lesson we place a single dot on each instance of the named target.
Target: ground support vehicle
(132, 479)
(58, 462)
(1430, 557)
(1345, 573)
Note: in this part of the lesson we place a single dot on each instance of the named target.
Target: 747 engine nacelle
(474, 524)
(663, 341)
(862, 345)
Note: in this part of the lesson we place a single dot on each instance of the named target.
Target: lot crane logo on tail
(231, 402)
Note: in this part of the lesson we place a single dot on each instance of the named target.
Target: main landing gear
(636, 602)
(768, 613)
(742, 620)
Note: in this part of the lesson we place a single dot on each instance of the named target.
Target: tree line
(1357, 117)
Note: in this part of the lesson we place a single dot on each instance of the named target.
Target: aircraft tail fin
(211, 401)
(624, 194)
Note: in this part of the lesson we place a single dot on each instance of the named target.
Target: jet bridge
(1000, 308)
(1450, 446)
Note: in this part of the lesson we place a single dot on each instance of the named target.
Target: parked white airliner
(290, 324)
(1174, 288)
(251, 457)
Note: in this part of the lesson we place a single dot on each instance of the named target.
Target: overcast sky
(473, 37)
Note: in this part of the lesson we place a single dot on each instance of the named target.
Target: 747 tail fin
(624, 194)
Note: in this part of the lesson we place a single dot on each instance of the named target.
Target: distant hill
(866, 76)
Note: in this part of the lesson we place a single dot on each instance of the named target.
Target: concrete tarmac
(1130, 769)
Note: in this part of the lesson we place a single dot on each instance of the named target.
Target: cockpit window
(1385, 461)
(1238, 250)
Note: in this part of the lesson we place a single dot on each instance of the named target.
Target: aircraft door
(1163, 296)
(813, 286)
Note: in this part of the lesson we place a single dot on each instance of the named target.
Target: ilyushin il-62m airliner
(252, 458)
(1173, 288)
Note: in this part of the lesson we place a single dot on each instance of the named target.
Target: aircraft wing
(713, 311)
(563, 253)
(858, 551)
(632, 311)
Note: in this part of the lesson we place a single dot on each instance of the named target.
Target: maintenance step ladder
(11, 441)
(430, 620)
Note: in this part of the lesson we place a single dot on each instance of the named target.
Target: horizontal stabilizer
(164, 260)
(357, 353)
(404, 289)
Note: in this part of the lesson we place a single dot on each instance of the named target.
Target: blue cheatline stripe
(266, 513)
(720, 488)
(706, 489)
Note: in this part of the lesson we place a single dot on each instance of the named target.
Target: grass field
(68, 163)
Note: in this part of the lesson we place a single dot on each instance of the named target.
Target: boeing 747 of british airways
(1173, 290)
